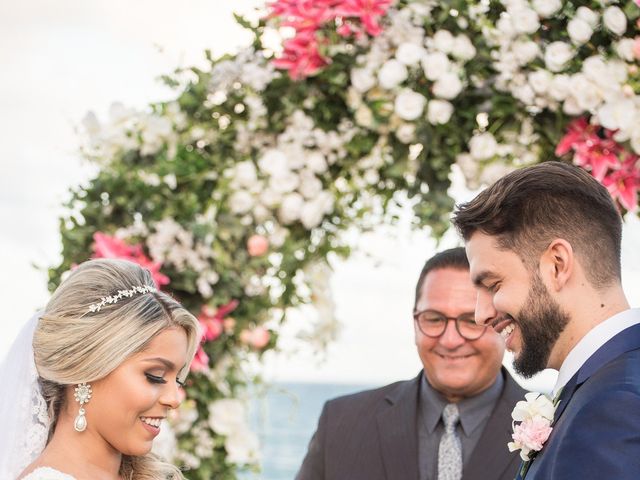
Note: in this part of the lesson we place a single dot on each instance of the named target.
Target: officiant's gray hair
(75, 343)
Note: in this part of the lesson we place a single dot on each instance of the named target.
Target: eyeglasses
(433, 324)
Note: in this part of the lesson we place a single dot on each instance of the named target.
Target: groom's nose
(485, 311)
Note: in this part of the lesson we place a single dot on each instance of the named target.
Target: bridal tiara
(119, 296)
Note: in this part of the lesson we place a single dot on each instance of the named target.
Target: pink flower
(200, 361)
(301, 56)
(106, 246)
(369, 12)
(257, 338)
(212, 321)
(257, 245)
(532, 433)
(623, 183)
(636, 47)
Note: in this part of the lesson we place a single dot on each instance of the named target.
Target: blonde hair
(73, 345)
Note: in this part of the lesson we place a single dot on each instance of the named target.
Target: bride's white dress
(46, 473)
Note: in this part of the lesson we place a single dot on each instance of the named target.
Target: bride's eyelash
(155, 378)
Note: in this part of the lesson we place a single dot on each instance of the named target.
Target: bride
(89, 379)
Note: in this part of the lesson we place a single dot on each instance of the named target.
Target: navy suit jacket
(596, 430)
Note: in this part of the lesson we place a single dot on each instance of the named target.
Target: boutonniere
(532, 419)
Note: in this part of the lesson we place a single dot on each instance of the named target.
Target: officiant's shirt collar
(474, 411)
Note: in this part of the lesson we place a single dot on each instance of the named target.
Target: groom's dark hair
(530, 207)
(455, 258)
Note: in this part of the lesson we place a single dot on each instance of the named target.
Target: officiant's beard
(541, 321)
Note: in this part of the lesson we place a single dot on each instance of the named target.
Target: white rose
(362, 79)
(463, 49)
(585, 92)
(284, 182)
(483, 146)
(270, 197)
(242, 446)
(392, 74)
(316, 162)
(525, 51)
(409, 105)
(435, 65)
(314, 211)
(273, 162)
(410, 53)
(619, 114)
(310, 185)
(443, 41)
(560, 87)
(524, 19)
(447, 86)
(226, 415)
(579, 31)
(540, 80)
(557, 56)
(245, 174)
(406, 132)
(290, 208)
(588, 16)
(615, 20)
(524, 93)
(505, 26)
(624, 49)
(241, 202)
(571, 107)
(546, 8)
(439, 111)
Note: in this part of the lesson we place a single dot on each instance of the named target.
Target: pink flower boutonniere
(535, 415)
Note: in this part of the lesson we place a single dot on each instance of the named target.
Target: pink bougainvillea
(106, 246)
(609, 162)
(302, 55)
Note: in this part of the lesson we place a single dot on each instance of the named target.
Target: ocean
(285, 417)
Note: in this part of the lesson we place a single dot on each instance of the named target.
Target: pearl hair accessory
(119, 296)
(82, 395)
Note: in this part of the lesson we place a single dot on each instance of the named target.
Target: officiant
(451, 422)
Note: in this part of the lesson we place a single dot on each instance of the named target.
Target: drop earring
(82, 395)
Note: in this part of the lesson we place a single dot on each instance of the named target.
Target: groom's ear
(557, 264)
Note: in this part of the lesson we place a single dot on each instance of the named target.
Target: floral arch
(235, 192)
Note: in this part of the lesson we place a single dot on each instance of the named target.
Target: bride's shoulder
(47, 473)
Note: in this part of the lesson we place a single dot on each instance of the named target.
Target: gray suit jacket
(373, 435)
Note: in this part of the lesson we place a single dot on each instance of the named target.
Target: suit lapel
(486, 457)
(625, 341)
(398, 433)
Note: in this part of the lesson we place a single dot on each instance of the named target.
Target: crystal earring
(82, 395)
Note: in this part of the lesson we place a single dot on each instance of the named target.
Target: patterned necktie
(450, 450)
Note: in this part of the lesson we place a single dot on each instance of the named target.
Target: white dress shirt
(592, 341)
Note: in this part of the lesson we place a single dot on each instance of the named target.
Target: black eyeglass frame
(444, 329)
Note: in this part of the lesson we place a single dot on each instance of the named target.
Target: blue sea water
(285, 417)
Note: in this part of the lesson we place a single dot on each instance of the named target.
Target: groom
(544, 247)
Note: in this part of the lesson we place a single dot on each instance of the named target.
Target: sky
(61, 59)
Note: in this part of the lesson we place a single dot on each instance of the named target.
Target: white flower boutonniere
(535, 415)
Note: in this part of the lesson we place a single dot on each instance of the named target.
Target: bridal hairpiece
(119, 296)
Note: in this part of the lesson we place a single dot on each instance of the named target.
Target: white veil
(24, 421)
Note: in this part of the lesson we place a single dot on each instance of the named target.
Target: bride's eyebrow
(167, 363)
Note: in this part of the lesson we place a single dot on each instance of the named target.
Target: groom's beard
(541, 322)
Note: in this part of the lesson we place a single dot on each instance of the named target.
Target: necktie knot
(450, 417)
